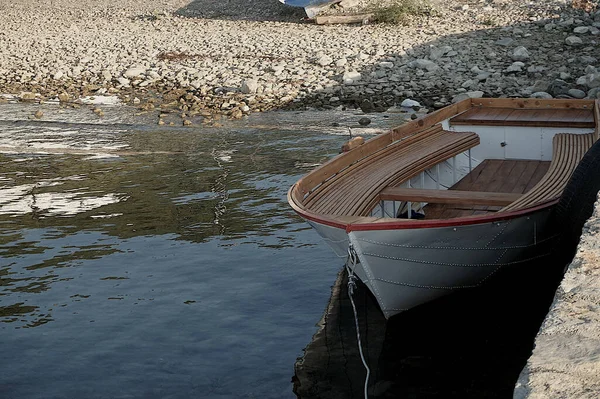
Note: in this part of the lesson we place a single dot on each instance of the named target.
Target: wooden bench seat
(567, 151)
(448, 196)
(567, 117)
(354, 191)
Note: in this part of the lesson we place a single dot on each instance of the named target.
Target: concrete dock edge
(566, 359)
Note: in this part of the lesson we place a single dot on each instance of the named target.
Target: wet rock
(364, 121)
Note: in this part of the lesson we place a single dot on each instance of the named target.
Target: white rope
(351, 287)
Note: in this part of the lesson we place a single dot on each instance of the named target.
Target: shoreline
(176, 56)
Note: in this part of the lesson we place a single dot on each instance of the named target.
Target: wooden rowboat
(446, 201)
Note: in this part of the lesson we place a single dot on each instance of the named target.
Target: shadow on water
(471, 344)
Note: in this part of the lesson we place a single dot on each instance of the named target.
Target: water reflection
(471, 344)
(173, 268)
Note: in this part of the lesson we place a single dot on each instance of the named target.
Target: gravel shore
(204, 57)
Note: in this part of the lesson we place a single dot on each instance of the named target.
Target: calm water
(138, 262)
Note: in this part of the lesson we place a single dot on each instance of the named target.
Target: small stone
(386, 64)
(324, 60)
(410, 103)
(515, 67)
(424, 64)
(161, 122)
(541, 94)
(469, 94)
(27, 96)
(576, 93)
(38, 114)
(123, 81)
(573, 41)
(364, 121)
(341, 62)
(136, 100)
(413, 116)
(58, 75)
(187, 122)
(134, 72)
(505, 41)
(581, 29)
(520, 54)
(249, 86)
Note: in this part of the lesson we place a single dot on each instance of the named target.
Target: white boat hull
(404, 268)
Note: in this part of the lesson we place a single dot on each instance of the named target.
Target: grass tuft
(401, 11)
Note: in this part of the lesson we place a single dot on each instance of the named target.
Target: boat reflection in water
(469, 345)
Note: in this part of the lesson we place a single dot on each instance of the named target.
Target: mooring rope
(353, 257)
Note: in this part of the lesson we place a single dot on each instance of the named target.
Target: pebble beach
(203, 58)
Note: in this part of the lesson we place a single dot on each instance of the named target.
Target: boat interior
(476, 157)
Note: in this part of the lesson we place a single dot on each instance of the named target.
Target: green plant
(401, 11)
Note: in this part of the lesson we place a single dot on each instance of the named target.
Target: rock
(410, 103)
(249, 86)
(515, 67)
(573, 41)
(364, 121)
(136, 100)
(63, 97)
(27, 96)
(558, 87)
(161, 122)
(134, 72)
(351, 77)
(438, 52)
(38, 114)
(541, 94)
(366, 106)
(505, 41)
(469, 94)
(58, 75)
(386, 64)
(520, 54)
(341, 62)
(424, 64)
(324, 60)
(123, 81)
(592, 80)
(581, 29)
(576, 93)
(587, 60)
(187, 122)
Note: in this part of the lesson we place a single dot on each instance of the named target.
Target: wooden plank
(532, 103)
(448, 196)
(581, 118)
